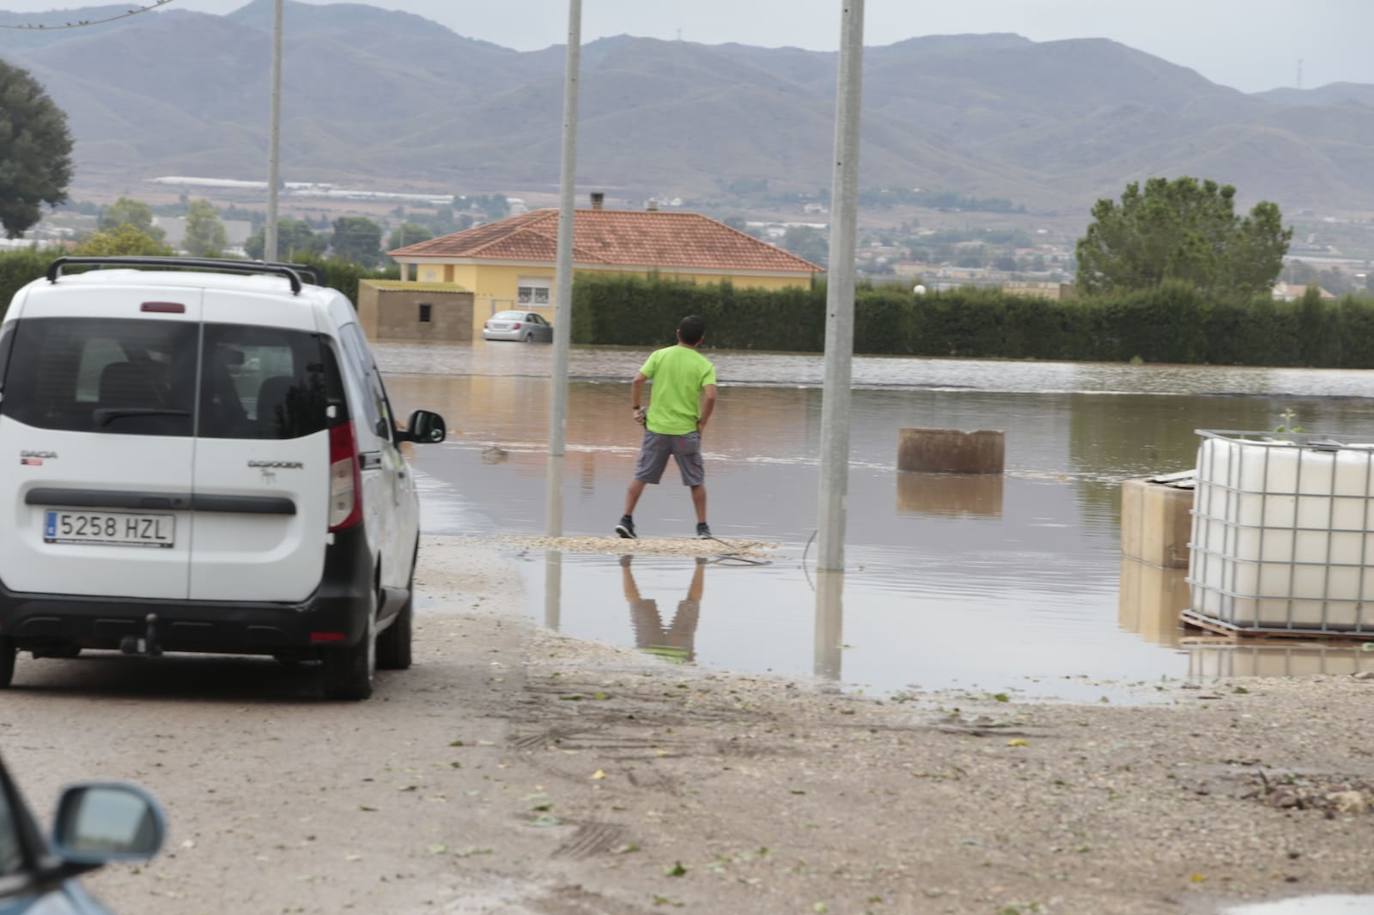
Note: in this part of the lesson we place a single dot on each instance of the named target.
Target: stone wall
(394, 314)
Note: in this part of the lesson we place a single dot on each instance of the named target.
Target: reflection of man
(675, 643)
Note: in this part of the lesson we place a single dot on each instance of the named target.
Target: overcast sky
(1249, 44)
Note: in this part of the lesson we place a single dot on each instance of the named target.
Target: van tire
(393, 645)
(7, 655)
(349, 672)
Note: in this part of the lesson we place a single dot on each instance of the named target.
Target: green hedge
(1172, 323)
(20, 267)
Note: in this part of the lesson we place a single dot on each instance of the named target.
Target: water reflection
(677, 641)
(553, 589)
(950, 494)
(829, 631)
(1210, 658)
(1150, 601)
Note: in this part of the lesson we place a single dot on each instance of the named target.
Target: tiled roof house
(510, 264)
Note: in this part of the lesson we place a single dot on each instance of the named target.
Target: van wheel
(7, 655)
(348, 672)
(393, 645)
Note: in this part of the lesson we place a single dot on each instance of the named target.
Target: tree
(205, 235)
(357, 239)
(35, 151)
(295, 239)
(407, 233)
(1182, 230)
(129, 212)
(125, 239)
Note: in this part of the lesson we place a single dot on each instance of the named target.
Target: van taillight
(345, 481)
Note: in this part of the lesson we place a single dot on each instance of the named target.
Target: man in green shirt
(683, 398)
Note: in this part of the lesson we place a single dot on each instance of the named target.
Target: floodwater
(1001, 584)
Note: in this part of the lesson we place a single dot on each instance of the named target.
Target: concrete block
(950, 494)
(1156, 523)
(950, 451)
(1150, 600)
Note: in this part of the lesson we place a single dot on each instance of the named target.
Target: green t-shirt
(679, 373)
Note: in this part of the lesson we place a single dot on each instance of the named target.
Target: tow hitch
(147, 644)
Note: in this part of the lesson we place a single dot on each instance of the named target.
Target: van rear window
(138, 377)
(103, 375)
(265, 382)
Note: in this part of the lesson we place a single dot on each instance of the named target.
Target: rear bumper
(339, 606)
(511, 335)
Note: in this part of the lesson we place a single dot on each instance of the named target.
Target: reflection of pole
(563, 275)
(839, 304)
(269, 235)
(553, 474)
(553, 588)
(829, 624)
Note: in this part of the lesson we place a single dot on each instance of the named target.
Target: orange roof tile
(621, 238)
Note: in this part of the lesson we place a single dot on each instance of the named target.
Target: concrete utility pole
(269, 234)
(839, 302)
(563, 276)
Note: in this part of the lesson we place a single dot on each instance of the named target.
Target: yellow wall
(495, 285)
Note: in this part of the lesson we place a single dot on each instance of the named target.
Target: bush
(1171, 323)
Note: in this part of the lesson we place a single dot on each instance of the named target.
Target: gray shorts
(656, 449)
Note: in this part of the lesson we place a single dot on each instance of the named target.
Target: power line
(82, 23)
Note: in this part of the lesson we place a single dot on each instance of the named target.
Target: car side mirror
(102, 822)
(426, 428)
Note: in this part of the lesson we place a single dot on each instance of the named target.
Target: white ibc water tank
(1283, 533)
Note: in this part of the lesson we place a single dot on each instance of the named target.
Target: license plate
(109, 528)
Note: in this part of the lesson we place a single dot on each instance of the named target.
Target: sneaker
(626, 528)
(704, 532)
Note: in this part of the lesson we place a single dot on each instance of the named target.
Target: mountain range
(390, 97)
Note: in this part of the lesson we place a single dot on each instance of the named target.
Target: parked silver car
(522, 326)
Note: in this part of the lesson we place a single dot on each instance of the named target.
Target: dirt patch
(516, 771)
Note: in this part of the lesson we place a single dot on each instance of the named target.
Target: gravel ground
(516, 771)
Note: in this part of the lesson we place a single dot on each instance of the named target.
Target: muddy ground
(516, 771)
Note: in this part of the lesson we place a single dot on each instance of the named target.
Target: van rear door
(261, 477)
(96, 421)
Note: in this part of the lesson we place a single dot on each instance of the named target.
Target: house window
(426, 312)
(531, 291)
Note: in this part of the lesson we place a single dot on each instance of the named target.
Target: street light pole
(563, 277)
(839, 303)
(269, 235)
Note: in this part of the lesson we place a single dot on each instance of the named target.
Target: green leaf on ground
(677, 870)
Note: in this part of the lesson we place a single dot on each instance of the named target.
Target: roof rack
(292, 272)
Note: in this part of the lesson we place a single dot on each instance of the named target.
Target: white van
(204, 459)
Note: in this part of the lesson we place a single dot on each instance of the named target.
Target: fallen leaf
(598, 775)
(1018, 742)
(677, 870)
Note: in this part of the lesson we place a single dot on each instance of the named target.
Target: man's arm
(636, 396)
(708, 406)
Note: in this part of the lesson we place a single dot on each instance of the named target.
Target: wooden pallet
(1193, 620)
